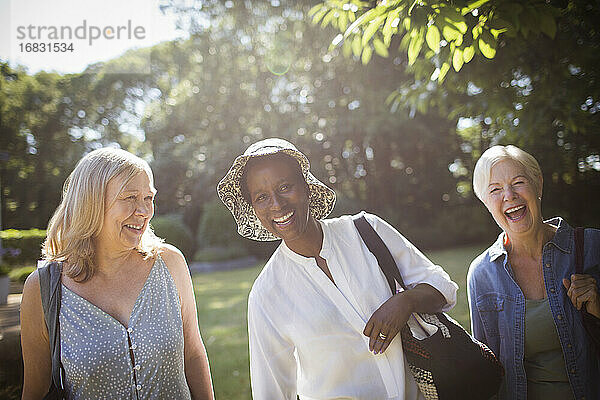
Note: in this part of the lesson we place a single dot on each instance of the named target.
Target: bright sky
(99, 31)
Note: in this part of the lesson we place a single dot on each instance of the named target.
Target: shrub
(218, 238)
(21, 273)
(172, 228)
(454, 226)
(22, 246)
(217, 226)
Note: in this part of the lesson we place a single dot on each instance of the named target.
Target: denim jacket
(498, 310)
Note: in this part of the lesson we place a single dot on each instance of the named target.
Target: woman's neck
(107, 262)
(530, 244)
(310, 243)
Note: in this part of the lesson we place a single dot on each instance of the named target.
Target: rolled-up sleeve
(272, 362)
(414, 267)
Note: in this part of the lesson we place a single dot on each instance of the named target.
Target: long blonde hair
(80, 214)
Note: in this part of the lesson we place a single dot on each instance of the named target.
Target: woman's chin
(522, 226)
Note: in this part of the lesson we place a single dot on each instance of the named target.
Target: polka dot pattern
(95, 347)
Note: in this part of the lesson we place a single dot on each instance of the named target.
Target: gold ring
(382, 336)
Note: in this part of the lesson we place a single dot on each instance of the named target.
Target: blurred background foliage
(385, 131)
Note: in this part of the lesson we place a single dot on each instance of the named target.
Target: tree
(540, 91)
(448, 34)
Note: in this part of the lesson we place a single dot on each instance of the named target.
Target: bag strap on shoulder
(51, 291)
(381, 252)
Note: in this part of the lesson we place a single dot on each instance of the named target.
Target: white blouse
(305, 332)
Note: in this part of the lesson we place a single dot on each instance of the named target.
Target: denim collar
(563, 239)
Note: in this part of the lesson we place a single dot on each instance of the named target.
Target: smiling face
(512, 199)
(128, 210)
(279, 195)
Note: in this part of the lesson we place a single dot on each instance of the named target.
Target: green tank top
(544, 362)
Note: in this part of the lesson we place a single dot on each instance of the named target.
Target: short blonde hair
(80, 214)
(495, 154)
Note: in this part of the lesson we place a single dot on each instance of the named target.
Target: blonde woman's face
(127, 212)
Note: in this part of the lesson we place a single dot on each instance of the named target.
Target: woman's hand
(582, 291)
(388, 320)
(391, 316)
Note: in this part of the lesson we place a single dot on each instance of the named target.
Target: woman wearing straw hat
(321, 322)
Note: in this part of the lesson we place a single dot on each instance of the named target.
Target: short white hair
(495, 154)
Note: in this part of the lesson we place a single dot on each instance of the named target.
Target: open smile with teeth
(135, 227)
(285, 219)
(516, 213)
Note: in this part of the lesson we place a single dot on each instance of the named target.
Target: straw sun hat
(321, 198)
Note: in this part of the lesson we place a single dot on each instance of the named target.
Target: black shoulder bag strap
(50, 288)
(591, 323)
(380, 251)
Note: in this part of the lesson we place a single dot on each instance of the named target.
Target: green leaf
(391, 97)
(380, 48)
(450, 33)
(372, 28)
(473, 5)
(499, 25)
(404, 42)
(314, 9)
(433, 38)
(328, 18)
(343, 21)
(317, 17)
(487, 45)
(452, 16)
(496, 32)
(351, 16)
(443, 71)
(468, 54)
(363, 19)
(461, 26)
(356, 46)
(548, 25)
(476, 31)
(366, 55)
(414, 48)
(388, 29)
(387, 39)
(529, 21)
(457, 59)
(347, 48)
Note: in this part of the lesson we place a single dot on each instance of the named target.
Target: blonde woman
(128, 321)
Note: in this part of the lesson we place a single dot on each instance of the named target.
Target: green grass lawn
(222, 304)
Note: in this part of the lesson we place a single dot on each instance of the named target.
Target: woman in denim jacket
(523, 292)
